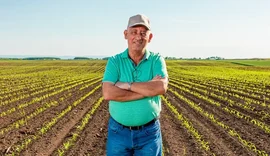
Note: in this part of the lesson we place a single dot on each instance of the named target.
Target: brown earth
(177, 140)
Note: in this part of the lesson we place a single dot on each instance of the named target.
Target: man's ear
(125, 34)
(150, 37)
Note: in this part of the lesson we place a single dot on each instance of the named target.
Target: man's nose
(138, 36)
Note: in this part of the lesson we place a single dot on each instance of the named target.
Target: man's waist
(139, 127)
(135, 113)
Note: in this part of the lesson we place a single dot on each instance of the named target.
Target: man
(133, 81)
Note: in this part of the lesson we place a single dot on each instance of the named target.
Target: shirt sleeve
(111, 73)
(160, 67)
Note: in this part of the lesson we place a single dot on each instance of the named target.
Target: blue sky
(190, 28)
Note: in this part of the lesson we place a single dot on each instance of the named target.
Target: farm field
(211, 108)
(251, 62)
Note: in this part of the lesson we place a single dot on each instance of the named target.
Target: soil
(177, 140)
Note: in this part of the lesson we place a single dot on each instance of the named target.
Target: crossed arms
(120, 91)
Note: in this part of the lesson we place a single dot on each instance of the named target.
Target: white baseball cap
(139, 20)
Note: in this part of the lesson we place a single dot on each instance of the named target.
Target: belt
(140, 127)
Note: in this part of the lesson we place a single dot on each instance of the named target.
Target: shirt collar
(125, 54)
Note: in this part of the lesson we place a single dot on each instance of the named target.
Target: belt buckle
(134, 127)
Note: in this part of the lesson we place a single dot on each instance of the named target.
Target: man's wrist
(129, 85)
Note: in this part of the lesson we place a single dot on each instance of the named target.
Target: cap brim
(142, 24)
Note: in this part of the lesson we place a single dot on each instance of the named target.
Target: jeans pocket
(114, 126)
(152, 129)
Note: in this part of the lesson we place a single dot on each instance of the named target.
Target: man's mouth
(138, 43)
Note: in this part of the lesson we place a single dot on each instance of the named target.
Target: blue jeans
(146, 141)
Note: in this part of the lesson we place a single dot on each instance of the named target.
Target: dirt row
(211, 85)
(20, 113)
(260, 113)
(16, 136)
(32, 96)
(177, 141)
(245, 129)
(53, 139)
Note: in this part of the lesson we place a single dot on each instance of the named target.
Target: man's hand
(122, 85)
(157, 86)
(114, 92)
(125, 85)
(158, 77)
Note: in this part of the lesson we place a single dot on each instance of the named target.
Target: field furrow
(57, 108)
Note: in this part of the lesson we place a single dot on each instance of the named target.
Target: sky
(181, 28)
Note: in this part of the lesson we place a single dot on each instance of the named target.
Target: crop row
(248, 144)
(48, 125)
(40, 98)
(226, 108)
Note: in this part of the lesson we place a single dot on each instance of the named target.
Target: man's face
(137, 37)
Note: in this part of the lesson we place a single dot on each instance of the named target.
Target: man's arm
(157, 86)
(112, 92)
(151, 88)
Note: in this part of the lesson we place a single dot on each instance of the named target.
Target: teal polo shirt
(121, 68)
